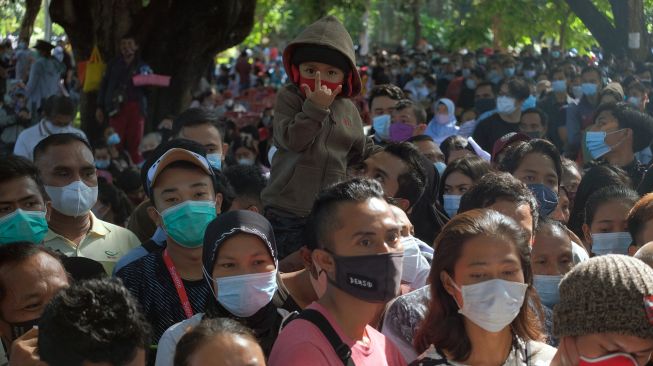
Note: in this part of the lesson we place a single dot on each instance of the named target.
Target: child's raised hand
(322, 96)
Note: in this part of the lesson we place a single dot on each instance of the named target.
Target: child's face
(327, 72)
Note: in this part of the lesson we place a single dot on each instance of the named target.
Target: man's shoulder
(146, 263)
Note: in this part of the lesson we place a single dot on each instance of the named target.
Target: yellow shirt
(104, 243)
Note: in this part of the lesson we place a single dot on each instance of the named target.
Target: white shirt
(29, 138)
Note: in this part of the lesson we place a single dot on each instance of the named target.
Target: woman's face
(485, 258)
(242, 254)
(244, 153)
(537, 168)
(457, 183)
(610, 217)
(551, 253)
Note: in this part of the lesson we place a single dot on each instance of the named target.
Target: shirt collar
(98, 228)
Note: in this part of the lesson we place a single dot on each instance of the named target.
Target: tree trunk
(176, 37)
(417, 23)
(563, 30)
(32, 8)
(598, 25)
(637, 28)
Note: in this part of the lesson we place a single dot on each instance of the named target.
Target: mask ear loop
(209, 279)
(453, 283)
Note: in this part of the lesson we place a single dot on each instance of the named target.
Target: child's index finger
(317, 81)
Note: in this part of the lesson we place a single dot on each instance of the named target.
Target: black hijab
(266, 322)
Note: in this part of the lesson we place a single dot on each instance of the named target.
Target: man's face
(606, 121)
(559, 75)
(64, 164)
(102, 154)
(551, 253)
(531, 122)
(21, 193)
(61, 120)
(537, 168)
(385, 168)
(206, 135)
(405, 115)
(176, 185)
(591, 77)
(366, 228)
(520, 212)
(128, 47)
(382, 105)
(484, 92)
(29, 287)
(430, 150)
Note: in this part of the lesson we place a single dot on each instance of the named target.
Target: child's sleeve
(297, 121)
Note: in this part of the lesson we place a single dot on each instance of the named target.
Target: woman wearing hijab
(240, 260)
(444, 122)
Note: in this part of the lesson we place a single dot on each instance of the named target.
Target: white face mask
(244, 295)
(75, 199)
(493, 304)
(611, 243)
(54, 129)
(411, 259)
(319, 284)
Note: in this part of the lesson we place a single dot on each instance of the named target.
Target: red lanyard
(179, 284)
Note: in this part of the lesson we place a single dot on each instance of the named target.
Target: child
(317, 128)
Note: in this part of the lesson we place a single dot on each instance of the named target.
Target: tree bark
(598, 25)
(417, 23)
(176, 37)
(32, 8)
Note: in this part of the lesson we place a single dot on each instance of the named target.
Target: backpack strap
(342, 350)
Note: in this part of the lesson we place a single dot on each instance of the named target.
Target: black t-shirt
(149, 281)
(489, 130)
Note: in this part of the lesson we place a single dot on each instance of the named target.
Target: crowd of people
(321, 207)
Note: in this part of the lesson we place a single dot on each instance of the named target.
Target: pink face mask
(615, 359)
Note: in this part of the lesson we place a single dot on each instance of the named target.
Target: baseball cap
(506, 140)
(171, 156)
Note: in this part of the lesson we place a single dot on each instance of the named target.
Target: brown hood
(328, 32)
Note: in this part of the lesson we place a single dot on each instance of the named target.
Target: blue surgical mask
(494, 77)
(244, 295)
(470, 84)
(611, 243)
(187, 222)
(20, 225)
(589, 89)
(466, 73)
(634, 101)
(595, 143)
(559, 86)
(102, 164)
(440, 167)
(451, 204)
(530, 102)
(555, 54)
(509, 71)
(381, 125)
(505, 104)
(246, 161)
(113, 139)
(547, 289)
(577, 91)
(547, 199)
(215, 160)
(529, 74)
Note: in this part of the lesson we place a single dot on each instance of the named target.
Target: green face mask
(20, 225)
(187, 222)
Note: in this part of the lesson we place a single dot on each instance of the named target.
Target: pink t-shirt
(302, 343)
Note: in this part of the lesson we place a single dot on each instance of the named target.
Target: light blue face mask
(547, 289)
(577, 91)
(494, 77)
(187, 222)
(440, 167)
(470, 84)
(451, 204)
(559, 86)
(509, 71)
(611, 243)
(244, 295)
(589, 89)
(596, 145)
(102, 164)
(381, 125)
(114, 139)
(20, 225)
(246, 161)
(505, 104)
(215, 160)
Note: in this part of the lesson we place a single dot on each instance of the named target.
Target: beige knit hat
(610, 293)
